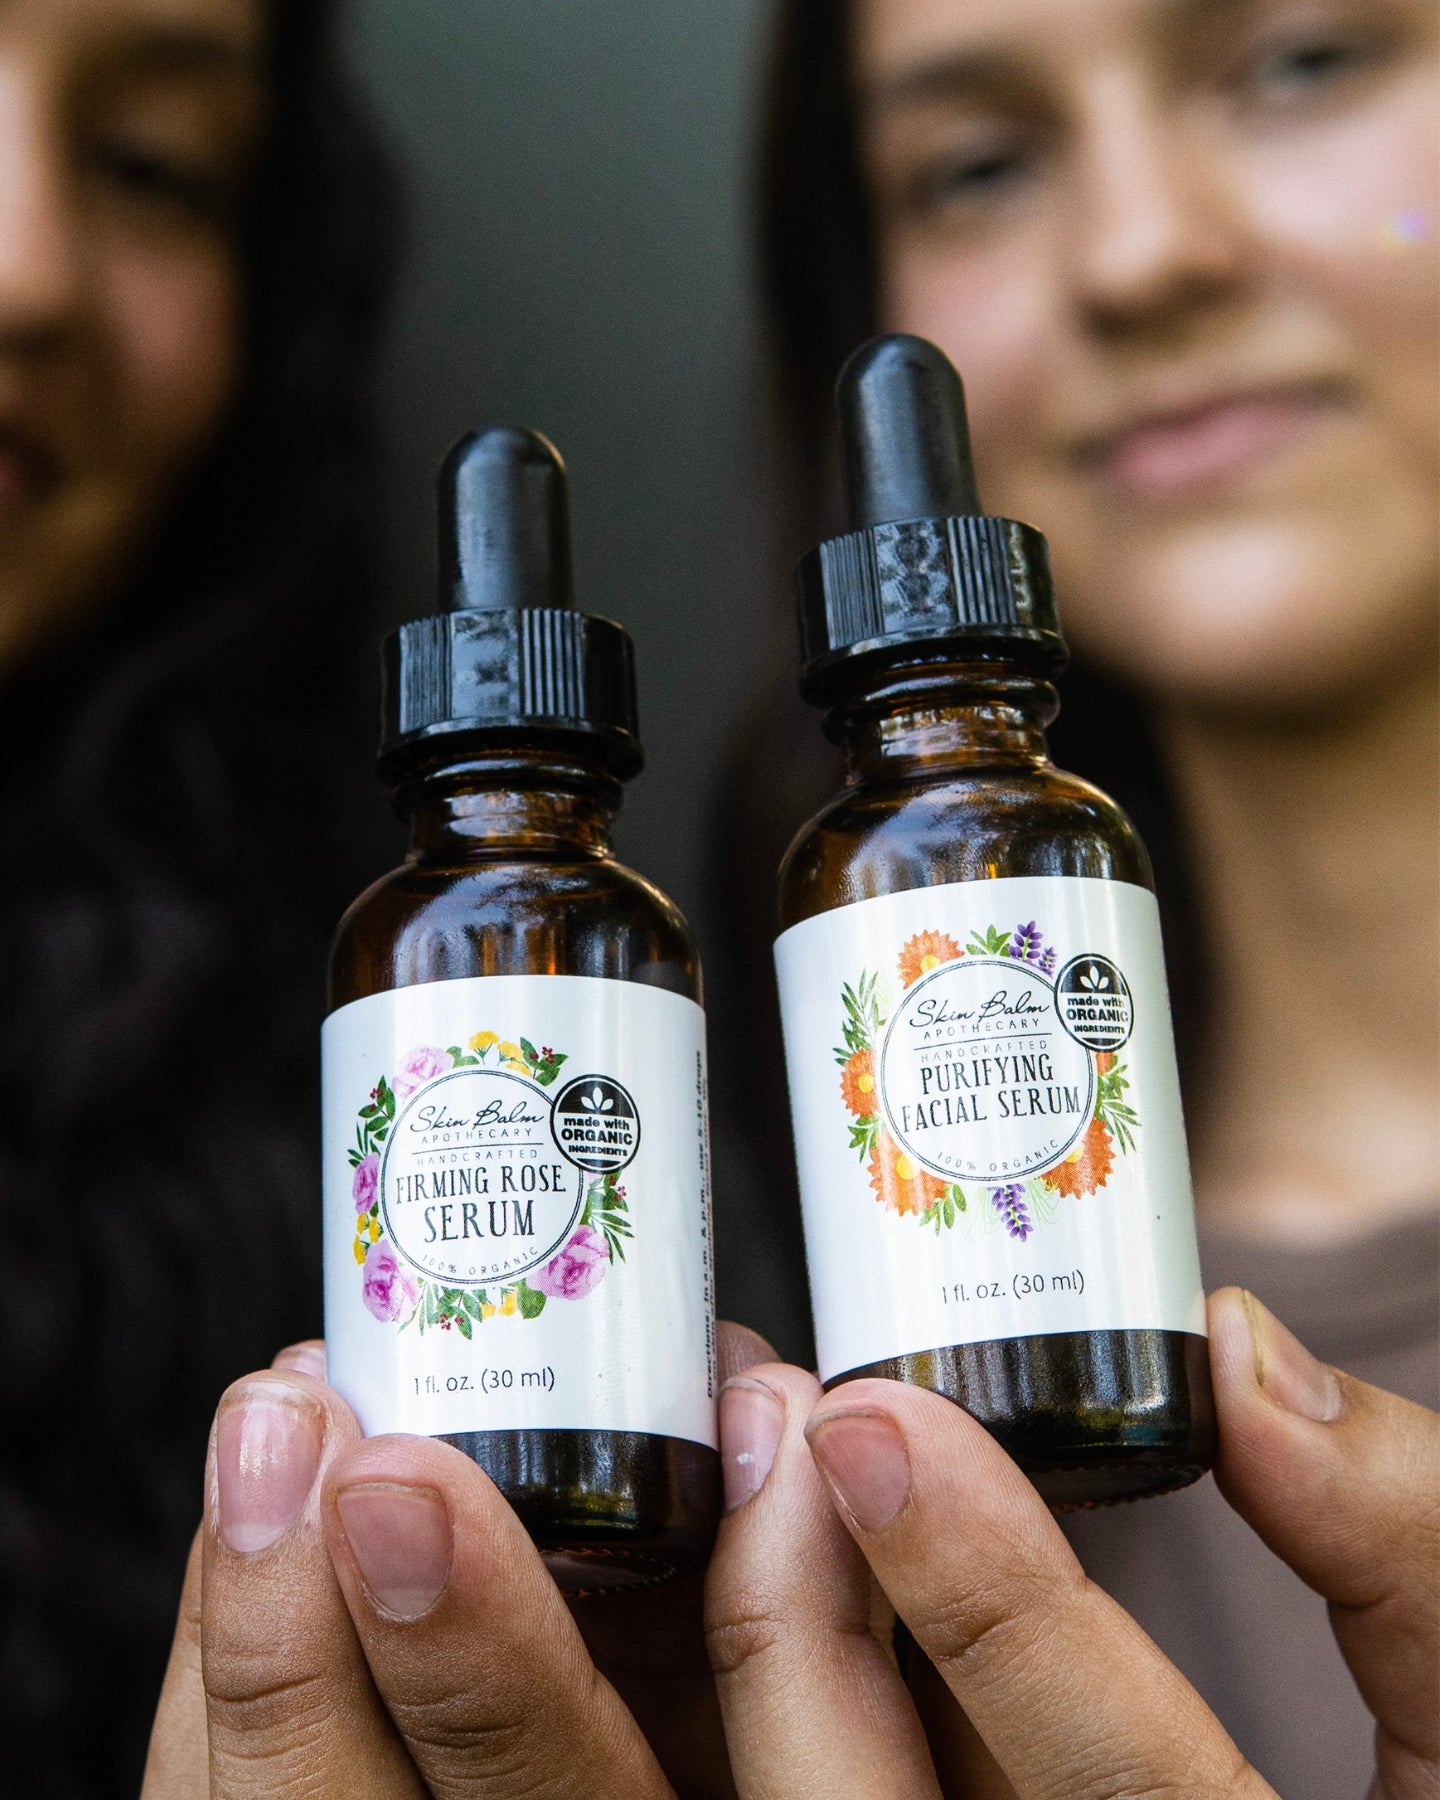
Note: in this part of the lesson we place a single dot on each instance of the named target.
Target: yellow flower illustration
(924, 952)
(857, 1084)
(509, 1304)
(487, 1310)
(360, 1248)
(482, 1041)
(511, 1052)
(900, 1184)
(1088, 1165)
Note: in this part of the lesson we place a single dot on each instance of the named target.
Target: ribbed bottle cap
(923, 573)
(509, 658)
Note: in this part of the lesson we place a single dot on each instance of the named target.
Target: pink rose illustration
(390, 1294)
(367, 1180)
(576, 1269)
(421, 1064)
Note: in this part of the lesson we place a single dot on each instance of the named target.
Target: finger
(738, 1348)
(650, 1644)
(472, 1648)
(966, 1769)
(1069, 1695)
(814, 1704)
(1342, 1480)
(305, 1358)
(178, 1764)
(289, 1701)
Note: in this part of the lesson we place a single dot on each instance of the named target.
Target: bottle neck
(507, 803)
(953, 716)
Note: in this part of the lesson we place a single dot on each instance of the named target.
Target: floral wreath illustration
(396, 1294)
(900, 1184)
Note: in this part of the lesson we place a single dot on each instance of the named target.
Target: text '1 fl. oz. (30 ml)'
(517, 1236)
(982, 1074)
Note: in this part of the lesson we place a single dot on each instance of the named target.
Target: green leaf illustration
(863, 1133)
(993, 943)
(862, 1020)
(531, 1303)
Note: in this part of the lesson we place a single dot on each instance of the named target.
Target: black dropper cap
(508, 659)
(923, 575)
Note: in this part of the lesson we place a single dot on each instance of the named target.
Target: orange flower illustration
(900, 1184)
(857, 1084)
(926, 951)
(1087, 1166)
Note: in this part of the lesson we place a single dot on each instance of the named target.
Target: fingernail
(752, 1418)
(1286, 1372)
(267, 1452)
(863, 1457)
(401, 1539)
(302, 1359)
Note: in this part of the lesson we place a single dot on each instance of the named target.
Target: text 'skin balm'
(977, 1035)
(517, 1226)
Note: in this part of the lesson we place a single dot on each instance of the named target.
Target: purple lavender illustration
(1009, 1202)
(1024, 946)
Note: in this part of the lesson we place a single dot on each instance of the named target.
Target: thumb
(1342, 1480)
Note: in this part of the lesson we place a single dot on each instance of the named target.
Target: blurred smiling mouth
(1172, 453)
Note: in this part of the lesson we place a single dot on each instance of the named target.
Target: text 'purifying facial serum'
(982, 1072)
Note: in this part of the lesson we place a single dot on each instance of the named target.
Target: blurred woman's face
(127, 131)
(1183, 253)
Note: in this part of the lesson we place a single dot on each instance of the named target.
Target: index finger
(1069, 1694)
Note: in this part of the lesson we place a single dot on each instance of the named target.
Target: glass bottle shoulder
(973, 824)
(512, 915)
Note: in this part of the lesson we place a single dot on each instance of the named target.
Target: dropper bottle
(517, 1237)
(982, 1072)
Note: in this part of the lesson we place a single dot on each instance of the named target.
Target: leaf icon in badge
(595, 1101)
(1094, 980)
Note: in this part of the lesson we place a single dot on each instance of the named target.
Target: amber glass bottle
(982, 1075)
(514, 1085)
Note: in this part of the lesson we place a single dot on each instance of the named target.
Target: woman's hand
(368, 1620)
(1063, 1692)
(376, 1623)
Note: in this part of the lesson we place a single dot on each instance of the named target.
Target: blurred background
(581, 261)
(198, 233)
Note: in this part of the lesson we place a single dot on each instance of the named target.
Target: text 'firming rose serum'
(517, 1232)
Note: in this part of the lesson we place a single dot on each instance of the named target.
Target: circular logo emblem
(595, 1124)
(1093, 1000)
(471, 1189)
(978, 1080)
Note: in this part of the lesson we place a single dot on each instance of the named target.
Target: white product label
(517, 1223)
(987, 1118)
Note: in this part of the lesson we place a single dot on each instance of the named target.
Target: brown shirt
(1247, 1632)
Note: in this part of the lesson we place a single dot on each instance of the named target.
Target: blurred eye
(974, 181)
(165, 182)
(1305, 67)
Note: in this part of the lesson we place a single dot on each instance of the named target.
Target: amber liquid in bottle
(949, 780)
(510, 872)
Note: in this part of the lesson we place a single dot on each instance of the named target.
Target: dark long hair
(179, 827)
(819, 280)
